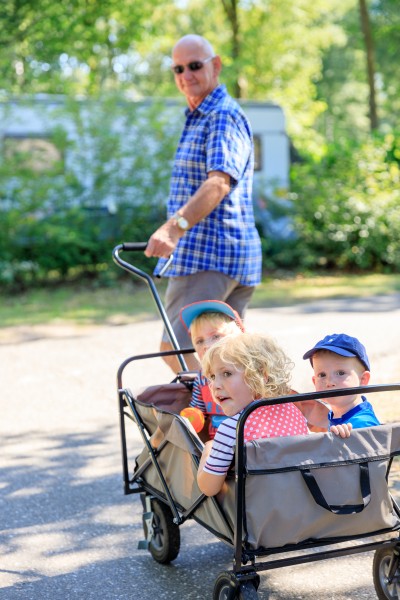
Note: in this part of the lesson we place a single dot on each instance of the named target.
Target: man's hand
(163, 241)
(343, 430)
(211, 192)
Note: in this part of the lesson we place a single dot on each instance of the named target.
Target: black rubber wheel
(227, 587)
(380, 571)
(166, 540)
(247, 591)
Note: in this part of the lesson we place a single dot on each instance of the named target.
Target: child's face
(334, 371)
(206, 333)
(229, 388)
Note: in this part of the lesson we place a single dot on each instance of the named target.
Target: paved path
(66, 529)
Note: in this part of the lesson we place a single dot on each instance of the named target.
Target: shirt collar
(350, 413)
(209, 101)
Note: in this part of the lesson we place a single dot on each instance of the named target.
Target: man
(210, 228)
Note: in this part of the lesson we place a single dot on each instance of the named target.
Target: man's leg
(239, 298)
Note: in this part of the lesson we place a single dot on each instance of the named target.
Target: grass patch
(299, 288)
(125, 302)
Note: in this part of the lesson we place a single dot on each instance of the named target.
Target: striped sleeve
(223, 448)
(197, 397)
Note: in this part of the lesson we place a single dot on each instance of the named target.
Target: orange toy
(195, 416)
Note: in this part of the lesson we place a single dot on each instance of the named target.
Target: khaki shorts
(205, 285)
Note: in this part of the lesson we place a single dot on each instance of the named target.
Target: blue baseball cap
(342, 344)
(189, 312)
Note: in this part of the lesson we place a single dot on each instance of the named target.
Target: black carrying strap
(345, 509)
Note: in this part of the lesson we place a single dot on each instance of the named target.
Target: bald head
(198, 70)
(195, 42)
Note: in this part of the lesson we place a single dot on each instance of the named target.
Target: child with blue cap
(341, 361)
(208, 321)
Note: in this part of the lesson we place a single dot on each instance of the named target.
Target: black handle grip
(132, 246)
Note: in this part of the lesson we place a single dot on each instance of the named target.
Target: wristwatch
(181, 222)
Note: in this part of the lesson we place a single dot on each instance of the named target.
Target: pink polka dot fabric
(278, 420)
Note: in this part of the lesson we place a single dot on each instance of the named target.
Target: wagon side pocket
(342, 509)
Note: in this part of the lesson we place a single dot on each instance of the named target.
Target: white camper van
(272, 165)
(27, 125)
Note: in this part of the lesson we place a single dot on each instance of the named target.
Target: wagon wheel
(380, 571)
(228, 587)
(165, 541)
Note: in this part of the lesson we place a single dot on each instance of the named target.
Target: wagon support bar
(298, 560)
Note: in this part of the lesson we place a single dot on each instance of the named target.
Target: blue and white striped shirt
(223, 448)
(217, 137)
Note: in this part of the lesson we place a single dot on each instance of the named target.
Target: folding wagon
(289, 500)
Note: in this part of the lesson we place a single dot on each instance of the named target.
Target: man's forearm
(209, 195)
(163, 241)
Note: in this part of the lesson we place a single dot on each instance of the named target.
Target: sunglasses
(195, 65)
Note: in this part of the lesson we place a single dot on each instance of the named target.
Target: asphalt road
(66, 529)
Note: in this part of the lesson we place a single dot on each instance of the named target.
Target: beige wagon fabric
(176, 457)
(180, 471)
(279, 508)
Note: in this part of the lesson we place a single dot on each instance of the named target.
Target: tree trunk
(369, 49)
(230, 8)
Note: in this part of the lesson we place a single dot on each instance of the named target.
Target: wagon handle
(133, 246)
(140, 246)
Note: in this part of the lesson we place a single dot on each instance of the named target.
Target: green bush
(109, 186)
(348, 207)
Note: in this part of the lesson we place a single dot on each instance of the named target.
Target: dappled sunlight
(28, 491)
(66, 505)
(67, 530)
(64, 546)
(310, 580)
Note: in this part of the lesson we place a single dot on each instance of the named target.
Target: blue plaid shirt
(217, 137)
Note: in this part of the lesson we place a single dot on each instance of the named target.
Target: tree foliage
(348, 206)
(309, 57)
(74, 45)
(344, 86)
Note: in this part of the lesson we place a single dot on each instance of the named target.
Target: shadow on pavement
(67, 532)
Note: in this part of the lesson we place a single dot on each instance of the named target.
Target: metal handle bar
(138, 357)
(131, 246)
(140, 246)
(136, 246)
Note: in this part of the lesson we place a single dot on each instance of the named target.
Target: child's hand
(342, 430)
